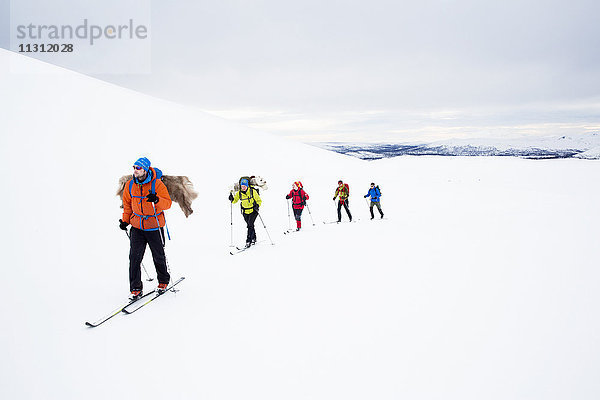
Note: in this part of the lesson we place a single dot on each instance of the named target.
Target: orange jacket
(138, 212)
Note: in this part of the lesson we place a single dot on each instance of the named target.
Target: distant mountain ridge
(581, 146)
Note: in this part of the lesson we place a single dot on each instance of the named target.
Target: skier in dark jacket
(299, 197)
(375, 195)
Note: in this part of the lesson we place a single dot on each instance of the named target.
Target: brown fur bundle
(180, 189)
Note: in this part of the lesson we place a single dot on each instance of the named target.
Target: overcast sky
(379, 70)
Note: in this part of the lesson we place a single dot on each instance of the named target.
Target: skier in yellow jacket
(250, 202)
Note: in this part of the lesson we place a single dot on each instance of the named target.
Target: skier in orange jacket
(145, 198)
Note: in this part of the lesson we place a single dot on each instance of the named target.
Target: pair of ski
(290, 231)
(237, 250)
(341, 222)
(133, 305)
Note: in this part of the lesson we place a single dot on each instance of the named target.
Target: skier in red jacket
(299, 197)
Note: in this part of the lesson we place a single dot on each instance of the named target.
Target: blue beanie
(244, 182)
(143, 162)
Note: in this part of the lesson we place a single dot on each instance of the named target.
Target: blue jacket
(374, 193)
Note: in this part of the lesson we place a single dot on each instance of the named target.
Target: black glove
(366, 195)
(256, 208)
(334, 198)
(123, 225)
(287, 197)
(230, 197)
(152, 198)
(303, 202)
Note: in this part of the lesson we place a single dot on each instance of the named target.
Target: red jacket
(299, 198)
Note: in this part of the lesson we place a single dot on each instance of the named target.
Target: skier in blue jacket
(375, 194)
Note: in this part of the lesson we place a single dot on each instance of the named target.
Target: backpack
(250, 194)
(347, 188)
(301, 195)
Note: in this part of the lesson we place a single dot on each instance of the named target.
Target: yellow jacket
(248, 199)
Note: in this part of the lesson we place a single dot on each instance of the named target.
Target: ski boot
(135, 294)
(162, 287)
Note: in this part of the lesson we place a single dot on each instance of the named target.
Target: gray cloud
(339, 58)
(378, 53)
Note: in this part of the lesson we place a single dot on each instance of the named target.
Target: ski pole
(231, 219)
(162, 240)
(160, 233)
(369, 207)
(348, 205)
(142, 263)
(289, 220)
(334, 205)
(309, 213)
(266, 230)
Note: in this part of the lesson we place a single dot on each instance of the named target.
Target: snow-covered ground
(481, 284)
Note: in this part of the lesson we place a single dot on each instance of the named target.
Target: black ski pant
(378, 205)
(250, 218)
(298, 213)
(138, 241)
(298, 217)
(345, 204)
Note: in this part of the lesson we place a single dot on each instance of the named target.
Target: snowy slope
(481, 284)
